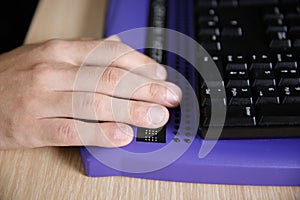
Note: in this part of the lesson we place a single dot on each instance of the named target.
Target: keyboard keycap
(236, 66)
(237, 74)
(286, 65)
(288, 73)
(212, 46)
(293, 19)
(264, 82)
(238, 83)
(240, 116)
(228, 3)
(208, 3)
(232, 32)
(280, 44)
(276, 29)
(297, 43)
(239, 96)
(290, 94)
(295, 31)
(258, 2)
(281, 114)
(209, 32)
(261, 66)
(263, 74)
(289, 82)
(266, 95)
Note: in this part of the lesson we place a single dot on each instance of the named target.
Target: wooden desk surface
(57, 173)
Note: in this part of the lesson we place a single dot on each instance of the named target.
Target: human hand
(37, 92)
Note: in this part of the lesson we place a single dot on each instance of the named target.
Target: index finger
(107, 52)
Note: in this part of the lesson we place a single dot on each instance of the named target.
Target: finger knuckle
(155, 91)
(41, 72)
(86, 102)
(97, 105)
(54, 46)
(91, 104)
(66, 134)
(138, 113)
(111, 77)
(117, 47)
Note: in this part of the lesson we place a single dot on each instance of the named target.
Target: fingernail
(173, 94)
(123, 132)
(161, 72)
(156, 115)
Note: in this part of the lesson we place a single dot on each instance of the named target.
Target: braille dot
(188, 134)
(187, 140)
(176, 140)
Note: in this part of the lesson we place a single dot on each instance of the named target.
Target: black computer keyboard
(255, 45)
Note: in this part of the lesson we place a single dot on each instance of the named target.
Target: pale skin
(37, 88)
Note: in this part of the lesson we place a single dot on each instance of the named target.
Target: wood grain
(56, 172)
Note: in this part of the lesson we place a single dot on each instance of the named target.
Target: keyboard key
(293, 19)
(289, 82)
(274, 22)
(280, 44)
(228, 3)
(239, 96)
(287, 58)
(208, 3)
(208, 18)
(236, 66)
(264, 82)
(288, 73)
(205, 112)
(240, 116)
(275, 16)
(237, 74)
(286, 65)
(208, 24)
(212, 46)
(209, 32)
(262, 74)
(238, 83)
(281, 114)
(232, 32)
(276, 29)
(266, 95)
(297, 43)
(290, 94)
(281, 35)
(258, 2)
(205, 95)
(289, 1)
(261, 66)
(295, 31)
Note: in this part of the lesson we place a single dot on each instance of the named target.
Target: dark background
(15, 18)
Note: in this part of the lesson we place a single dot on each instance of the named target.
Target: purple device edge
(245, 162)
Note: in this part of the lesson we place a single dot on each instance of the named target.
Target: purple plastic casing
(245, 162)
